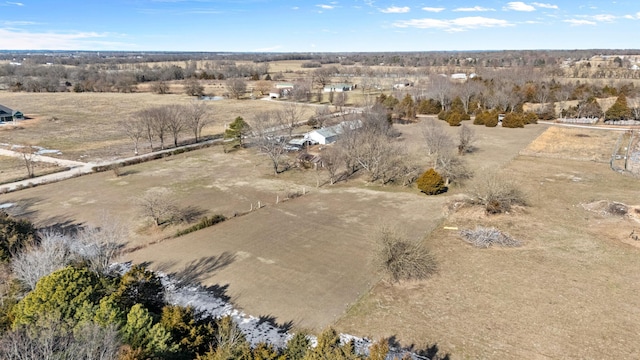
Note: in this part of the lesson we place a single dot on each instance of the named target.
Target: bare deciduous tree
(441, 88)
(195, 116)
(146, 118)
(268, 134)
(236, 87)
(28, 154)
(332, 160)
(322, 76)
(435, 137)
(135, 130)
(53, 253)
(160, 87)
(290, 116)
(466, 137)
(100, 246)
(192, 87)
(157, 204)
(174, 119)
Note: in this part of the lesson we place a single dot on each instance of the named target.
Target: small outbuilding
(338, 87)
(7, 114)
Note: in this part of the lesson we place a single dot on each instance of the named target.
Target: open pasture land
(85, 126)
(571, 290)
(301, 260)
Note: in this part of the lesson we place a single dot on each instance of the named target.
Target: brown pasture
(84, 126)
(570, 291)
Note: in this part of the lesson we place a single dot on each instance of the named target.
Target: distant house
(329, 135)
(275, 93)
(459, 76)
(338, 87)
(402, 85)
(7, 114)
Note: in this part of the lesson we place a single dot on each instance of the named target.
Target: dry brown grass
(574, 143)
(84, 126)
(13, 169)
(569, 292)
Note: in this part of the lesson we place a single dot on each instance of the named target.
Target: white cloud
(18, 23)
(325, 6)
(20, 40)
(604, 17)
(14, 3)
(295, 8)
(545, 6)
(633, 17)
(519, 6)
(453, 25)
(475, 8)
(433, 9)
(577, 22)
(396, 10)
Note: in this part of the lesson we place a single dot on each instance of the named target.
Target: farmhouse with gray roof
(7, 114)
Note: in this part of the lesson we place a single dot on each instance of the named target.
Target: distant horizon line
(222, 52)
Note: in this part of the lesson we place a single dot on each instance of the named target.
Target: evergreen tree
(431, 183)
(236, 132)
(619, 110)
(65, 294)
(15, 234)
(140, 286)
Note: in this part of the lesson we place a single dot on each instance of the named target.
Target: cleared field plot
(84, 126)
(569, 292)
(303, 260)
(574, 143)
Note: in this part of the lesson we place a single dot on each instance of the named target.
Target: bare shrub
(496, 193)
(100, 246)
(484, 237)
(53, 253)
(157, 204)
(401, 259)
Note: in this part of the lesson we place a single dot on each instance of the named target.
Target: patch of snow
(48, 151)
(6, 205)
(255, 329)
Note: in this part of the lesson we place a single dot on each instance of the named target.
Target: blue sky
(317, 26)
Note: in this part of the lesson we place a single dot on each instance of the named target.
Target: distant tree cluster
(164, 122)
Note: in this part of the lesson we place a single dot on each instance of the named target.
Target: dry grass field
(568, 292)
(84, 126)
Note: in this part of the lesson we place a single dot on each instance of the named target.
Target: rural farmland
(299, 231)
